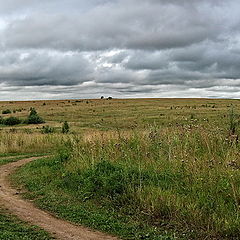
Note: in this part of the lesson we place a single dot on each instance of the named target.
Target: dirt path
(26, 211)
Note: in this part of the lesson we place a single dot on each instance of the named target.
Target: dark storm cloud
(120, 47)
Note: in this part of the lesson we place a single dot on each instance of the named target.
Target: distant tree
(109, 98)
(65, 127)
(34, 118)
(32, 111)
(102, 97)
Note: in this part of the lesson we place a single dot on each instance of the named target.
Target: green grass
(137, 168)
(179, 180)
(12, 228)
(50, 194)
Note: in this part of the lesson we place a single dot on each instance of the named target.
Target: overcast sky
(57, 49)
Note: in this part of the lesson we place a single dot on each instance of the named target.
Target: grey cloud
(116, 76)
(43, 68)
(118, 24)
(143, 60)
(206, 62)
(117, 58)
(15, 7)
(155, 48)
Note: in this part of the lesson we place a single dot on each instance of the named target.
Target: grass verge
(12, 228)
(7, 158)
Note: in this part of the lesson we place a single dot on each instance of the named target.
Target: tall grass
(28, 143)
(187, 178)
(183, 178)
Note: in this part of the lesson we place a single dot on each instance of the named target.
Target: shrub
(47, 129)
(7, 111)
(11, 121)
(65, 127)
(34, 118)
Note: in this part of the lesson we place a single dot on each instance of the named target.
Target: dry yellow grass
(98, 119)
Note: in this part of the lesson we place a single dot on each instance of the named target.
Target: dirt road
(25, 210)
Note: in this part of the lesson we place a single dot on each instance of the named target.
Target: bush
(34, 118)
(11, 121)
(7, 111)
(65, 127)
(48, 129)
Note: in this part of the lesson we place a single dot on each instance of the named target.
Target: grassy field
(137, 168)
(105, 115)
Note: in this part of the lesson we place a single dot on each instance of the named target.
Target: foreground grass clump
(50, 195)
(185, 181)
(11, 229)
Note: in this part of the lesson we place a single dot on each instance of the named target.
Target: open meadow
(134, 168)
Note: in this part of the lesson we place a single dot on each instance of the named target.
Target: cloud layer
(124, 48)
